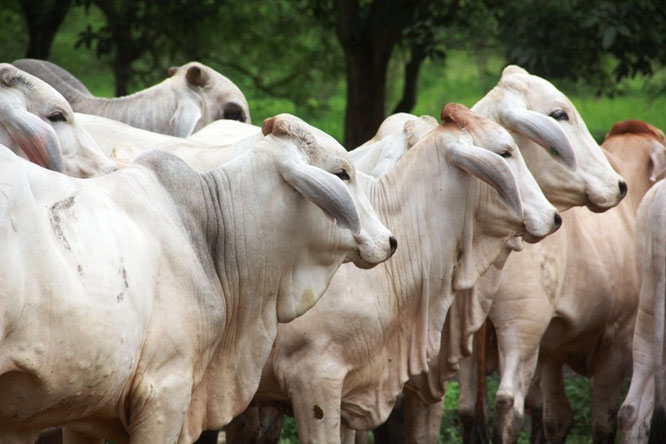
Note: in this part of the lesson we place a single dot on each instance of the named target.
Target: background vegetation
(343, 65)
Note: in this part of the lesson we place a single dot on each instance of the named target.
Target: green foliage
(600, 41)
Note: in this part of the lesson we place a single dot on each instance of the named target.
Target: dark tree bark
(410, 87)
(43, 18)
(127, 48)
(368, 38)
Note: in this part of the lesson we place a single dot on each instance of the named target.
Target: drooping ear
(172, 70)
(490, 168)
(196, 76)
(541, 129)
(36, 138)
(185, 118)
(324, 190)
(657, 160)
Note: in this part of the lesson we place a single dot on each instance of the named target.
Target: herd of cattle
(169, 268)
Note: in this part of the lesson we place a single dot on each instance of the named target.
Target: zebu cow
(140, 306)
(378, 155)
(191, 97)
(572, 299)
(346, 361)
(124, 143)
(642, 413)
(538, 116)
(37, 123)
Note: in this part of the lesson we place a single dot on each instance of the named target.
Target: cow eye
(505, 154)
(342, 174)
(553, 152)
(234, 112)
(559, 114)
(57, 117)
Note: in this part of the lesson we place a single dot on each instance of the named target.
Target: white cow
(124, 143)
(572, 299)
(345, 361)
(191, 97)
(641, 416)
(37, 123)
(140, 306)
(550, 134)
(380, 153)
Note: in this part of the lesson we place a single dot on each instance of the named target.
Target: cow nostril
(393, 242)
(557, 220)
(623, 188)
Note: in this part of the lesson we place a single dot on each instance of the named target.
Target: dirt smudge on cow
(54, 218)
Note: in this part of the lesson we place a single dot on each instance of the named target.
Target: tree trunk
(366, 87)
(43, 18)
(368, 34)
(410, 87)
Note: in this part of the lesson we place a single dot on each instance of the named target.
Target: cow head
(37, 122)
(327, 216)
(486, 150)
(219, 97)
(568, 164)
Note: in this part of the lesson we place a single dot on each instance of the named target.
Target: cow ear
(323, 189)
(172, 70)
(36, 138)
(490, 168)
(540, 129)
(196, 76)
(657, 160)
(267, 127)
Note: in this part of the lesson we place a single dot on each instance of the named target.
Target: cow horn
(490, 168)
(324, 190)
(37, 139)
(542, 130)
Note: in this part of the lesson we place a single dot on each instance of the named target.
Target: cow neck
(249, 273)
(630, 157)
(150, 108)
(423, 201)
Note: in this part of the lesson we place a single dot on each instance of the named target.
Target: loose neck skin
(151, 108)
(423, 201)
(237, 252)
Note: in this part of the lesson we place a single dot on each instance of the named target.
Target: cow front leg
(517, 366)
(422, 421)
(72, 436)
(158, 405)
(316, 405)
(605, 392)
(557, 413)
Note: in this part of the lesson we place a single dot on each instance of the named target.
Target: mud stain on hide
(317, 412)
(549, 276)
(54, 218)
(123, 274)
(79, 269)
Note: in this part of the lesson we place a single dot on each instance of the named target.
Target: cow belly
(71, 370)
